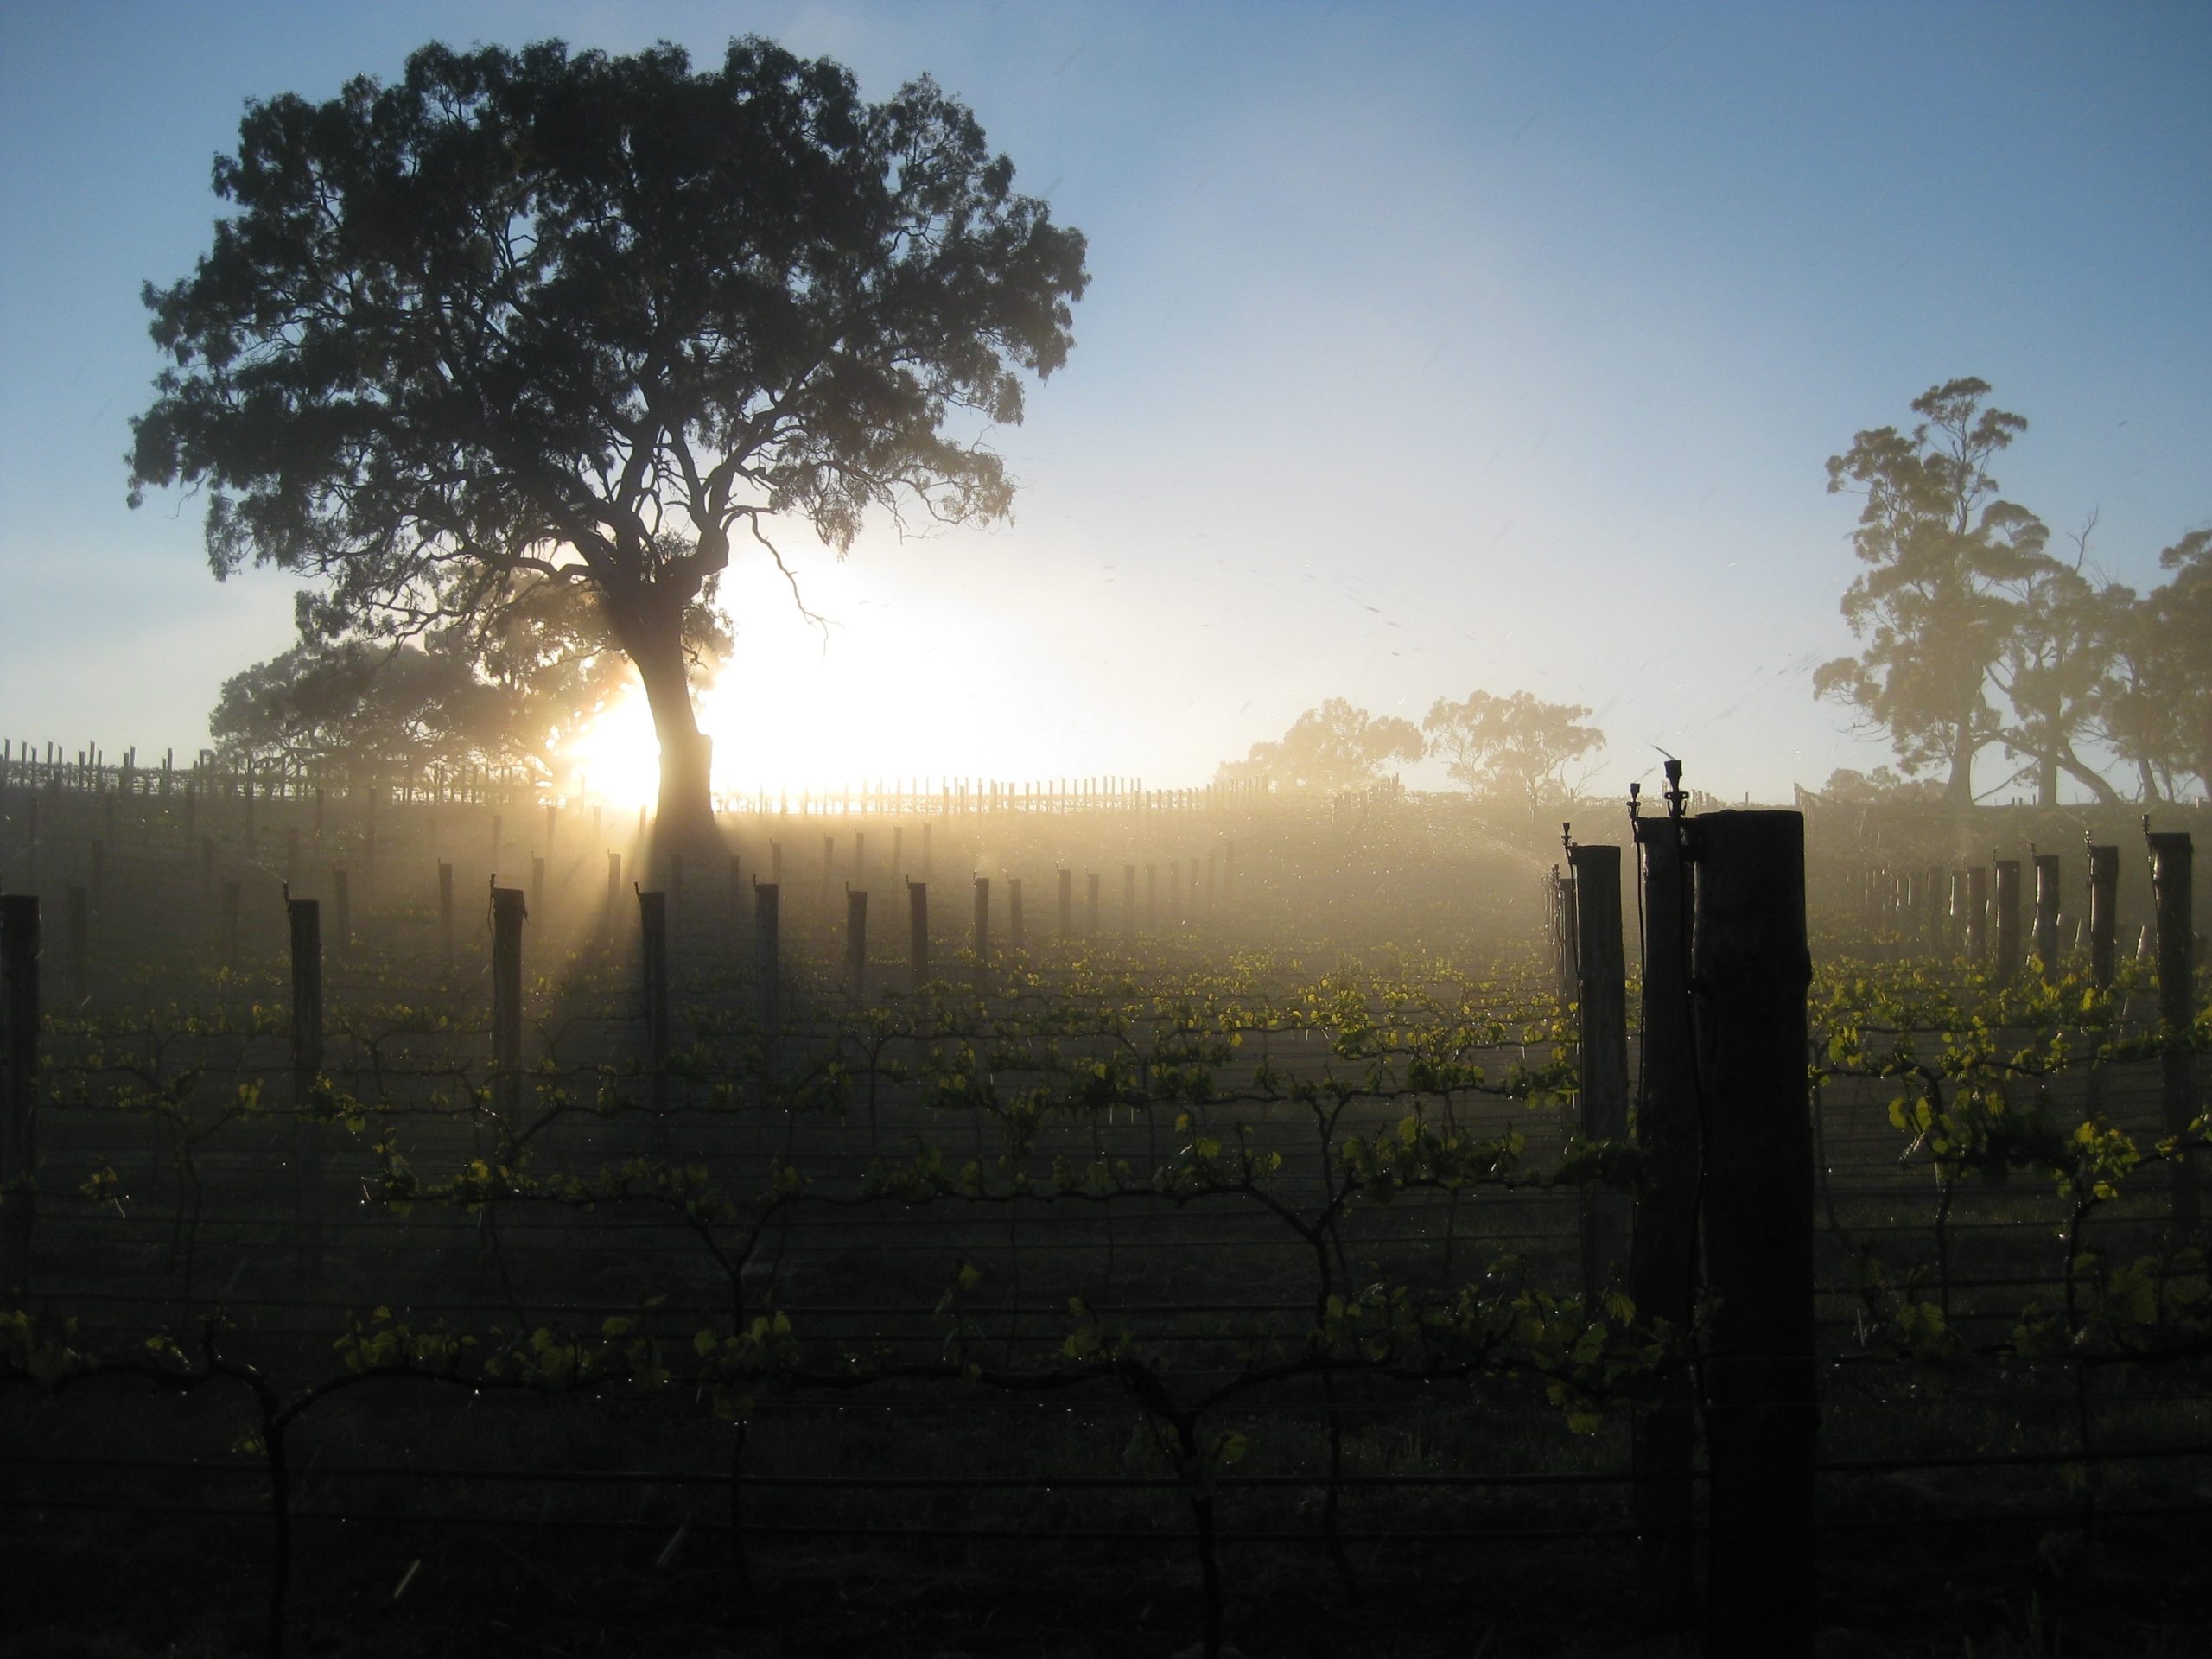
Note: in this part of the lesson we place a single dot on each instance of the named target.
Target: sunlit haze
(1426, 350)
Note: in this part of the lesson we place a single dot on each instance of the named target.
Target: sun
(616, 759)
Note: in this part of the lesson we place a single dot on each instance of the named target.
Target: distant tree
(357, 708)
(1514, 745)
(595, 319)
(1334, 746)
(2053, 660)
(1939, 545)
(2177, 627)
(1846, 786)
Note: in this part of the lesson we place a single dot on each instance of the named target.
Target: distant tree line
(1977, 632)
(1514, 746)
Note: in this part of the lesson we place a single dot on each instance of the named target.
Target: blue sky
(1427, 348)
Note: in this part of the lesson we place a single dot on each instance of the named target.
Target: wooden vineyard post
(445, 911)
(1663, 1244)
(918, 930)
(982, 921)
(856, 944)
(767, 967)
(653, 957)
(1978, 913)
(1567, 975)
(1091, 905)
(1067, 905)
(2170, 858)
(228, 937)
(2104, 911)
(19, 950)
(508, 909)
(2007, 919)
(1014, 939)
(1602, 999)
(304, 919)
(1752, 969)
(2047, 903)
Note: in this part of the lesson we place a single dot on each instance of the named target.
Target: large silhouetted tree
(1517, 745)
(596, 318)
(1336, 746)
(1939, 547)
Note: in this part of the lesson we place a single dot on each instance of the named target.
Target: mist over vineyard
(1046, 831)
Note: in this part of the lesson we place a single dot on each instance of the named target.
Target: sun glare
(616, 759)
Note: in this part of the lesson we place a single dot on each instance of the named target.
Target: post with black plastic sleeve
(2104, 913)
(2170, 858)
(304, 917)
(1601, 1000)
(652, 955)
(508, 909)
(1752, 970)
(2047, 903)
(1662, 1246)
(19, 931)
(982, 922)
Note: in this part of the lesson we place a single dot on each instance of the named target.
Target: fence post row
(19, 952)
(2008, 920)
(2047, 904)
(1753, 969)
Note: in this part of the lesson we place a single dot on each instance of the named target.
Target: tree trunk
(1959, 789)
(2046, 780)
(652, 633)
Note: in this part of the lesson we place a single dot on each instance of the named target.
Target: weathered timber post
(304, 917)
(1663, 1244)
(228, 934)
(856, 944)
(1602, 1034)
(1752, 970)
(1067, 905)
(918, 930)
(2170, 858)
(653, 957)
(2104, 913)
(508, 909)
(445, 911)
(1015, 936)
(1978, 912)
(983, 920)
(1566, 974)
(1091, 905)
(2047, 903)
(2007, 919)
(19, 951)
(767, 968)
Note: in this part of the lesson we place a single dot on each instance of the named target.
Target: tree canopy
(1976, 633)
(593, 320)
(1334, 746)
(1514, 745)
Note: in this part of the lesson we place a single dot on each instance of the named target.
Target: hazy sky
(1427, 349)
